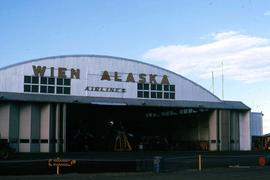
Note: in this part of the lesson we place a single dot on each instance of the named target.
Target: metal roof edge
(26, 97)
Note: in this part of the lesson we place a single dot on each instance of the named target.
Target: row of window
(159, 91)
(46, 80)
(46, 89)
(158, 95)
(52, 85)
(47, 85)
(158, 87)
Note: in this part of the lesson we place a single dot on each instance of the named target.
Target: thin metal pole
(213, 82)
(222, 80)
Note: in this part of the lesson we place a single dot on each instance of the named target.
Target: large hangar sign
(40, 71)
(130, 78)
(126, 78)
(58, 80)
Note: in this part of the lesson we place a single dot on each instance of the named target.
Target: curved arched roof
(106, 56)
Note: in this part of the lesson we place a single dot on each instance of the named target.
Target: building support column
(213, 132)
(234, 131)
(60, 128)
(57, 128)
(218, 131)
(244, 127)
(14, 125)
(45, 128)
(35, 128)
(25, 128)
(64, 127)
(4, 121)
(224, 116)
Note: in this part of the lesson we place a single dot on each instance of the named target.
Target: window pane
(43, 80)
(146, 86)
(34, 88)
(43, 89)
(59, 90)
(159, 87)
(153, 87)
(35, 79)
(166, 87)
(153, 94)
(50, 89)
(24, 140)
(51, 81)
(35, 141)
(172, 95)
(67, 82)
(140, 94)
(66, 90)
(159, 95)
(13, 141)
(27, 79)
(172, 87)
(139, 86)
(146, 94)
(60, 81)
(26, 88)
(166, 95)
(44, 141)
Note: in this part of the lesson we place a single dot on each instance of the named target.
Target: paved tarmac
(236, 173)
(23, 164)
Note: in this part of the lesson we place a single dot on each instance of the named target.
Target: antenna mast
(222, 76)
(213, 83)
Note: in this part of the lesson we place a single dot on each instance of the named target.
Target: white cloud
(245, 58)
(267, 13)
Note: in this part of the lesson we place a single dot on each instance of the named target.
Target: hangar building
(80, 102)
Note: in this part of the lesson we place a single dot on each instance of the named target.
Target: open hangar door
(97, 128)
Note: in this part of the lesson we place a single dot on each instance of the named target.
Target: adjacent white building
(256, 123)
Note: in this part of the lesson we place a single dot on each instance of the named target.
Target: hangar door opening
(102, 127)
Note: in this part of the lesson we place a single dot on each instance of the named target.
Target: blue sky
(190, 37)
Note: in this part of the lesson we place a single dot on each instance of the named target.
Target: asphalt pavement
(234, 173)
(122, 162)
